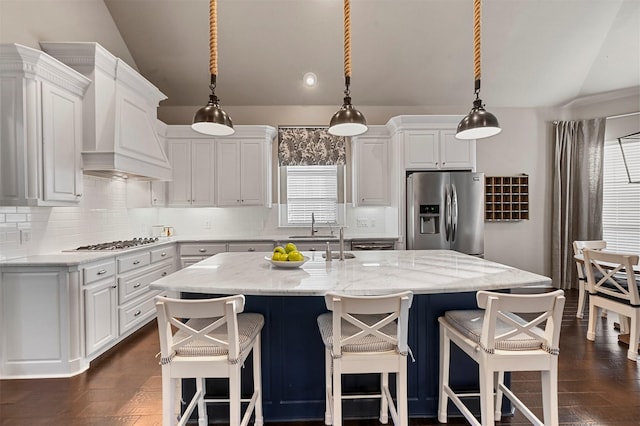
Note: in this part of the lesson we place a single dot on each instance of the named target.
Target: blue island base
(293, 361)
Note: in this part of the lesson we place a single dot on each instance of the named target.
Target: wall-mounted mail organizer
(506, 198)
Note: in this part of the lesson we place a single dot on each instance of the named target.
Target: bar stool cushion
(470, 322)
(367, 343)
(249, 325)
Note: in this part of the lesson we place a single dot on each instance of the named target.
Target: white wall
(29, 22)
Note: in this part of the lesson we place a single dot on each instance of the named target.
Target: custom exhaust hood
(120, 124)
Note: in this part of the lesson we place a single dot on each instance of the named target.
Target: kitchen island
(291, 299)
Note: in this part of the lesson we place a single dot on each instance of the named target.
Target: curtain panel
(577, 193)
(310, 146)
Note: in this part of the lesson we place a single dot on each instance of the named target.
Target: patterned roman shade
(309, 146)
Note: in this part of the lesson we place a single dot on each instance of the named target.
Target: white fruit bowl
(288, 263)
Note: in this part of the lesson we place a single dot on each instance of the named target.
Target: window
(621, 199)
(311, 189)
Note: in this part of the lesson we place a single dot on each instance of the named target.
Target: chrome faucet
(341, 247)
(313, 225)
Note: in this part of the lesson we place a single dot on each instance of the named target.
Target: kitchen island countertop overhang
(369, 273)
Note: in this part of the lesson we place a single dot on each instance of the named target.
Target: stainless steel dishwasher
(372, 245)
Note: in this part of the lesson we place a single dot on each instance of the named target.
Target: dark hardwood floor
(597, 385)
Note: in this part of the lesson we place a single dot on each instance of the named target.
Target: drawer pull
(312, 249)
(202, 250)
(102, 271)
(135, 262)
(137, 285)
(164, 274)
(163, 254)
(252, 249)
(114, 286)
(137, 313)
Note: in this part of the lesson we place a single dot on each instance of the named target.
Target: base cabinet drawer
(132, 286)
(251, 247)
(205, 250)
(134, 261)
(137, 312)
(164, 253)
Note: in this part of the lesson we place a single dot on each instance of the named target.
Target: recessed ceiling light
(310, 79)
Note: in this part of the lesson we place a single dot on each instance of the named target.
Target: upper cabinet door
(203, 173)
(456, 153)
(252, 178)
(421, 149)
(61, 142)
(179, 189)
(241, 178)
(228, 173)
(371, 171)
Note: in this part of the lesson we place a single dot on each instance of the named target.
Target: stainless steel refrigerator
(445, 210)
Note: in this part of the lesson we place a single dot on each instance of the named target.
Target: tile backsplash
(104, 214)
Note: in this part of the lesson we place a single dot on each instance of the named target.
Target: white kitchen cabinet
(41, 111)
(193, 164)
(100, 315)
(437, 149)
(371, 171)
(427, 142)
(243, 172)
(250, 246)
(191, 253)
(40, 317)
(240, 176)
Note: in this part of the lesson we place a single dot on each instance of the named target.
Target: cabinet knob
(135, 262)
(436, 163)
(136, 285)
(164, 274)
(138, 312)
(78, 195)
(443, 163)
(163, 254)
(155, 200)
(114, 286)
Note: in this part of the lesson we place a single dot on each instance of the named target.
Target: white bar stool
(366, 334)
(214, 342)
(499, 340)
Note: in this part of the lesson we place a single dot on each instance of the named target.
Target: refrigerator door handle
(447, 215)
(454, 212)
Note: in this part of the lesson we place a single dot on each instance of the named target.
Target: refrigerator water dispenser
(429, 218)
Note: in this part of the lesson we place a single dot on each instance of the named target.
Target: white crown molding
(182, 131)
(602, 97)
(409, 122)
(29, 63)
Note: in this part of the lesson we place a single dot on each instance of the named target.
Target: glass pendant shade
(212, 120)
(478, 124)
(348, 121)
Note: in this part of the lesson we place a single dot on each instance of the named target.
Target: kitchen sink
(335, 255)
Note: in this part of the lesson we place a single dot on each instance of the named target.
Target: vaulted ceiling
(404, 52)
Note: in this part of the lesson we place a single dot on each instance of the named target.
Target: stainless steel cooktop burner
(118, 245)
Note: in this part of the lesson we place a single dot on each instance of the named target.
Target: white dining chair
(500, 341)
(366, 334)
(212, 339)
(613, 285)
(578, 247)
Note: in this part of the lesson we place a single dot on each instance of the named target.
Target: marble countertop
(72, 258)
(370, 273)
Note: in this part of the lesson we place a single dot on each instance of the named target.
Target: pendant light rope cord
(347, 38)
(213, 37)
(476, 38)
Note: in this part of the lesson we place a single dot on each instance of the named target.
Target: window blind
(312, 189)
(621, 199)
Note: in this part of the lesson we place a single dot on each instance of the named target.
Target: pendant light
(348, 121)
(479, 123)
(211, 119)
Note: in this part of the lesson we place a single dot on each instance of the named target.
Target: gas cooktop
(118, 245)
